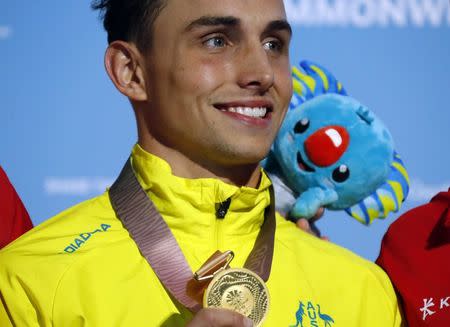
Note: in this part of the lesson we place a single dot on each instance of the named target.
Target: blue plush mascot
(332, 151)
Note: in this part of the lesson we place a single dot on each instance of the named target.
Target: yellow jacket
(81, 268)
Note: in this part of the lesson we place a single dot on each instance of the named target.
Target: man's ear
(125, 69)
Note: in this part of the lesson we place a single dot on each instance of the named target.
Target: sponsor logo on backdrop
(76, 186)
(5, 32)
(369, 13)
(423, 192)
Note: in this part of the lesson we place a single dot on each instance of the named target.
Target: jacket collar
(190, 205)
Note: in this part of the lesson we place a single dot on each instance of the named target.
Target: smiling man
(211, 92)
(209, 82)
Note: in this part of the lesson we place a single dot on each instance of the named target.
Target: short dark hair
(129, 20)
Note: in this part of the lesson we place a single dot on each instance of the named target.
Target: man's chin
(248, 158)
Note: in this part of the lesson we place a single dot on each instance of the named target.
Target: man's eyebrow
(278, 25)
(213, 21)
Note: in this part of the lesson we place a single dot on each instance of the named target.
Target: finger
(314, 229)
(213, 317)
(318, 214)
(308, 226)
(303, 224)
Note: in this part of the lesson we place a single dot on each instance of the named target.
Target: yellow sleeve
(26, 292)
(390, 294)
(17, 307)
(4, 317)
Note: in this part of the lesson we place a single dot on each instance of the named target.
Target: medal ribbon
(157, 244)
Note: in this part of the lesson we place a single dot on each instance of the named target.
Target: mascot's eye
(341, 173)
(301, 126)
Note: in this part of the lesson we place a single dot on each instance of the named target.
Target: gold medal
(241, 290)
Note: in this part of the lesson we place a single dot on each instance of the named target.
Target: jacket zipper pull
(222, 208)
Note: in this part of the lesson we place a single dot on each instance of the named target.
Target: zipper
(221, 211)
(218, 233)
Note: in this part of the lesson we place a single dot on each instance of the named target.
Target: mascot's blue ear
(388, 197)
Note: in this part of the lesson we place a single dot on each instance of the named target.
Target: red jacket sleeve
(415, 254)
(14, 218)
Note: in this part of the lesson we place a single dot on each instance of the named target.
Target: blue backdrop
(65, 131)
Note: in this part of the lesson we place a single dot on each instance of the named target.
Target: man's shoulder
(350, 287)
(311, 251)
(82, 228)
(54, 254)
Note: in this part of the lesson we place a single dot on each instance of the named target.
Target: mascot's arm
(309, 202)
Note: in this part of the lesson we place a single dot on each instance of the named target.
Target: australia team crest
(311, 315)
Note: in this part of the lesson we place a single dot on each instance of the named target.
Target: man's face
(218, 78)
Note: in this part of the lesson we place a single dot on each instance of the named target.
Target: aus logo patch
(310, 315)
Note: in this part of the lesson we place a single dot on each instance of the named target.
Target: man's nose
(255, 68)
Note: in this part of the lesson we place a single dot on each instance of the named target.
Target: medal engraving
(240, 290)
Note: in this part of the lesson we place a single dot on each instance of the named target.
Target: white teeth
(257, 112)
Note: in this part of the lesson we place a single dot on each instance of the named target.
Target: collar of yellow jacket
(189, 205)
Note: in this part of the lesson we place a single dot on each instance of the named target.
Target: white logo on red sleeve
(428, 304)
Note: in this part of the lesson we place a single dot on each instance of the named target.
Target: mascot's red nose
(327, 145)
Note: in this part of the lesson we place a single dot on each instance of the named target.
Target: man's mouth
(256, 112)
(251, 109)
(303, 165)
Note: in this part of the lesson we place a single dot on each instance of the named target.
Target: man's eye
(215, 42)
(273, 45)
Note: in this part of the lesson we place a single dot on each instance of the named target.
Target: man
(14, 218)
(209, 82)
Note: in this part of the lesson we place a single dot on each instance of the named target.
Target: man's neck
(186, 167)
